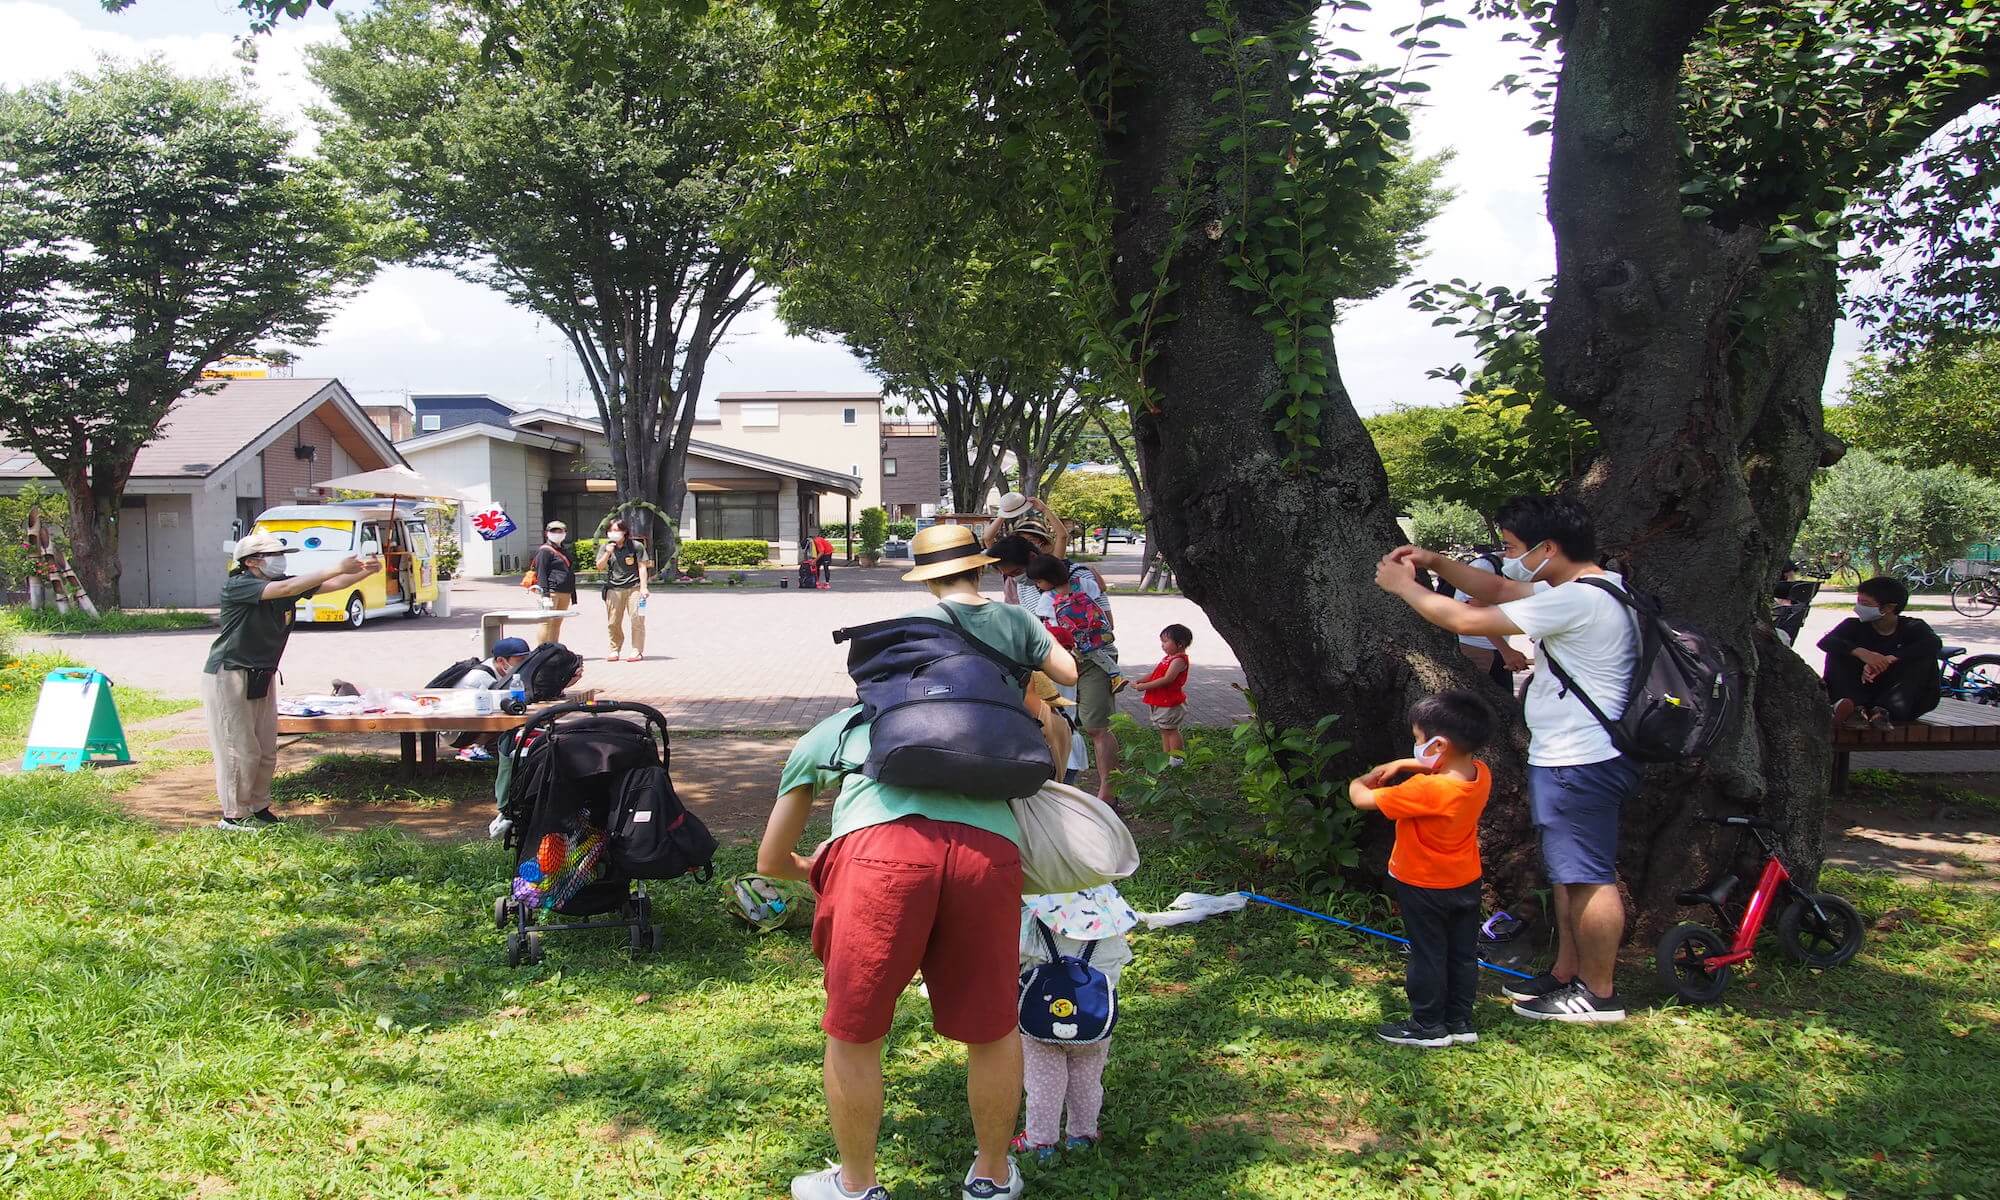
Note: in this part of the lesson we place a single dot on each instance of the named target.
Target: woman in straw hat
(915, 878)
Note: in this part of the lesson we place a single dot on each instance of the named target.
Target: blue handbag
(1066, 1001)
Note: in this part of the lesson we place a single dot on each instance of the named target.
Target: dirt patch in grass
(1323, 1134)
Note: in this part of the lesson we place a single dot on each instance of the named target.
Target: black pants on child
(1905, 691)
(1443, 927)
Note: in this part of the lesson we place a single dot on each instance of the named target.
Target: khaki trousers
(552, 630)
(620, 603)
(243, 737)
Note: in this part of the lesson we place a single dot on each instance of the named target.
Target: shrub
(48, 620)
(1440, 525)
(874, 530)
(902, 530)
(833, 531)
(585, 552)
(716, 553)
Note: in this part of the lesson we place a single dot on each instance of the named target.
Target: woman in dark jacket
(555, 577)
(1881, 666)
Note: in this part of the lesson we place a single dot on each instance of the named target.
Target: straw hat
(945, 550)
(1013, 505)
(255, 544)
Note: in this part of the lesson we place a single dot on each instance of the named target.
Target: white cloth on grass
(1189, 907)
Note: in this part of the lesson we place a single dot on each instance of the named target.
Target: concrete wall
(487, 472)
(156, 541)
(810, 432)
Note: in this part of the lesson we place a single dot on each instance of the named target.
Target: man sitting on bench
(1881, 666)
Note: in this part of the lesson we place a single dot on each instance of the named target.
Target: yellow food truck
(318, 536)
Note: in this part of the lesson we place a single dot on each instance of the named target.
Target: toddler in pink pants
(1071, 1078)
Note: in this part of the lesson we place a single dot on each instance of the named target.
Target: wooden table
(1952, 725)
(420, 733)
(493, 625)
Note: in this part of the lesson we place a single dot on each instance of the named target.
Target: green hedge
(835, 531)
(715, 553)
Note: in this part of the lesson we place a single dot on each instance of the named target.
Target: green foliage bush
(1442, 525)
(720, 553)
(903, 530)
(833, 531)
(48, 620)
(1879, 515)
(585, 552)
(873, 531)
(16, 564)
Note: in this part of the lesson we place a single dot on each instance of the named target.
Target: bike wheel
(1975, 597)
(1820, 930)
(1681, 962)
(1978, 679)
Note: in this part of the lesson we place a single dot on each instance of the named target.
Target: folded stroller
(594, 817)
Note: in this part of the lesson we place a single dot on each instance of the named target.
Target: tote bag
(1070, 841)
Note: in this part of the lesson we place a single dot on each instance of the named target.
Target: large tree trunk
(1706, 450)
(93, 538)
(1281, 561)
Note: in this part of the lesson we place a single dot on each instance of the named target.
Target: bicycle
(1818, 929)
(1976, 679)
(1976, 597)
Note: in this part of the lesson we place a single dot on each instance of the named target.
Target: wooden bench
(420, 733)
(1953, 725)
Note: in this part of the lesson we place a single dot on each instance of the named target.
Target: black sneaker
(1409, 1033)
(238, 825)
(265, 816)
(1533, 989)
(1462, 1033)
(1576, 1004)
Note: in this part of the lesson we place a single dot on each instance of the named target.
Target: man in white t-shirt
(1577, 779)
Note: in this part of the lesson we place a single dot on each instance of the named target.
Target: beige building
(839, 432)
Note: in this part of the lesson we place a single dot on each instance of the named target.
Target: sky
(424, 330)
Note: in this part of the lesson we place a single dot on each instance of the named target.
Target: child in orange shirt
(1434, 868)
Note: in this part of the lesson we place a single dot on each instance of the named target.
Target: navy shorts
(1575, 809)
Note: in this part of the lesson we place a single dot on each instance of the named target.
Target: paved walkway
(718, 658)
(757, 658)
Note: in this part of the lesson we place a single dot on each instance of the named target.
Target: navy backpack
(1066, 1001)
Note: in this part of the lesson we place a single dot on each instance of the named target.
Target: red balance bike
(1817, 929)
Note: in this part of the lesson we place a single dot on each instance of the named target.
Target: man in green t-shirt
(258, 601)
(915, 879)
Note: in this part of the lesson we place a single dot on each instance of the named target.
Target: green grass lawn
(48, 620)
(302, 1015)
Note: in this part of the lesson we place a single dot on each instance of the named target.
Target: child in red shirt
(1165, 691)
(1434, 869)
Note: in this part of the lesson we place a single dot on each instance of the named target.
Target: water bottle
(516, 690)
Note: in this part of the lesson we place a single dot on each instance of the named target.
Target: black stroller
(594, 816)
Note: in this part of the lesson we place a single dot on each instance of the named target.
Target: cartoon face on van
(318, 537)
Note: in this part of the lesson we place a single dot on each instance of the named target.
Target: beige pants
(243, 737)
(552, 630)
(620, 603)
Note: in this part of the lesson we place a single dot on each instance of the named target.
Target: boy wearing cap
(914, 878)
(508, 655)
(237, 697)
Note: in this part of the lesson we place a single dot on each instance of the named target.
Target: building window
(760, 416)
(848, 416)
(583, 512)
(432, 422)
(888, 466)
(751, 516)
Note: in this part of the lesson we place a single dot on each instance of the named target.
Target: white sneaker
(986, 1189)
(239, 825)
(825, 1185)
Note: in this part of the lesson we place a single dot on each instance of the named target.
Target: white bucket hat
(1013, 505)
(1086, 916)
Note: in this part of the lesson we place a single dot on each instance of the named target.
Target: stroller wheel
(636, 940)
(516, 949)
(659, 939)
(534, 947)
(503, 912)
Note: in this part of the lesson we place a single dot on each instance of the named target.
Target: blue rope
(1387, 937)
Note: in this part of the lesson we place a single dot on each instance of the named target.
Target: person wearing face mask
(258, 602)
(1434, 867)
(1881, 666)
(1577, 779)
(555, 576)
(623, 560)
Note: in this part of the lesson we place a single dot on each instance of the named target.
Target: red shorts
(920, 893)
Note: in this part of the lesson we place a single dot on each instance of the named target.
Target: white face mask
(274, 566)
(556, 537)
(616, 536)
(1428, 752)
(1867, 612)
(1517, 570)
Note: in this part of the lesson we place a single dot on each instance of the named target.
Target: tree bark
(1282, 562)
(1706, 449)
(93, 537)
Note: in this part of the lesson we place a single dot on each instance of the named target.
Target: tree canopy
(150, 225)
(1941, 405)
(588, 162)
(1871, 511)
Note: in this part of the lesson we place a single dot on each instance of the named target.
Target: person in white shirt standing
(1577, 779)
